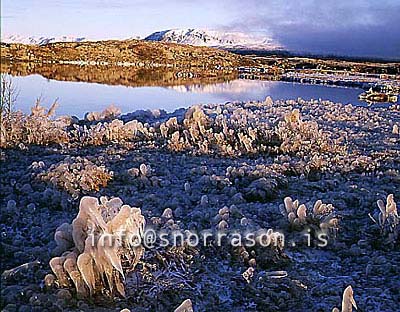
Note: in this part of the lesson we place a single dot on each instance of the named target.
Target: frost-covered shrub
(226, 134)
(238, 129)
(38, 128)
(76, 176)
(115, 131)
(303, 137)
(250, 128)
(99, 248)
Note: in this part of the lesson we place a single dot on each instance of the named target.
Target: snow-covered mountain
(40, 40)
(195, 37)
(215, 38)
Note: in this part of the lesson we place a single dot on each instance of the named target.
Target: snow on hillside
(214, 38)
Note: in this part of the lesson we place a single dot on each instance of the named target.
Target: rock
(64, 294)
(11, 205)
(223, 211)
(24, 308)
(10, 294)
(82, 305)
(244, 222)
(187, 187)
(223, 225)
(49, 280)
(167, 214)
(262, 189)
(204, 200)
(144, 170)
(35, 300)
(238, 198)
(178, 212)
(11, 307)
(31, 207)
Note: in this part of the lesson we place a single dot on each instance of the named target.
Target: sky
(341, 27)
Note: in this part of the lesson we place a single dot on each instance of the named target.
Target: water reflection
(81, 89)
(118, 75)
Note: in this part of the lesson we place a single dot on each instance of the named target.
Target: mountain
(214, 38)
(40, 40)
(36, 40)
(231, 40)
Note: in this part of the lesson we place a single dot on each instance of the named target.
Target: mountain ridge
(215, 39)
(43, 40)
(232, 40)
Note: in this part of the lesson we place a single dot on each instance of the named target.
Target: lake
(78, 95)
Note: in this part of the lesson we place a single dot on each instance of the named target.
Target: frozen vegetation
(323, 174)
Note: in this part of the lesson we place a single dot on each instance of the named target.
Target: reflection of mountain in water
(118, 75)
(229, 87)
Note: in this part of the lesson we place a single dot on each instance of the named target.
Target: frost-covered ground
(216, 166)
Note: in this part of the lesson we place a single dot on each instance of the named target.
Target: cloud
(358, 27)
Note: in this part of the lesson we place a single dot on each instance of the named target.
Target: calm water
(77, 98)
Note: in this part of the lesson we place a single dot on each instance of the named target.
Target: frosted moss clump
(348, 301)
(142, 176)
(76, 176)
(388, 218)
(322, 215)
(395, 129)
(98, 249)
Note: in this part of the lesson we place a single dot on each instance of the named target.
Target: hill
(123, 53)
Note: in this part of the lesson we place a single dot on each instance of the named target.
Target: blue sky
(346, 27)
